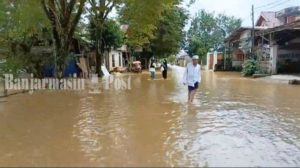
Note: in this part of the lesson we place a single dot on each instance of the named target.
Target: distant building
(268, 20)
(117, 57)
(183, 58)
(276, 42)
(279, 18)
(278, 47)
(113, 59)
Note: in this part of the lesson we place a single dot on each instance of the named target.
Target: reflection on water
(234, 122)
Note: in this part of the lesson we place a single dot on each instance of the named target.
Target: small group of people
(191, 77)
(163, 68)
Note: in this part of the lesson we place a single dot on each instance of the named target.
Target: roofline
(242, 29)
(261, 16)
(291, 26)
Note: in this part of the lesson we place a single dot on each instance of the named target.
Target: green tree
(142, 18)
(64, 17)
(209, 31)
(19, 29)
(98, 12)
(170, 32)
(112, 36)
(20, 32)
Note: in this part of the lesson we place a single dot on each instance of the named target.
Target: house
(278, 47)
(276, 36)
(238, 46)
(268, 20)
(113, 59)
(288, 15)
(275, 19)
(117, 58)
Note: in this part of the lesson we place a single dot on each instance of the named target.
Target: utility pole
(253, 33)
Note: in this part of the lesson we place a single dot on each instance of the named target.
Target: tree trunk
(99, 51)
(61, 57)
(63, 27)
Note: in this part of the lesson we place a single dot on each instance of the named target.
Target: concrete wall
(237, 64)
(273, 58)
(265, 66)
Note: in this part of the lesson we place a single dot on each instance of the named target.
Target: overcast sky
(241, 8)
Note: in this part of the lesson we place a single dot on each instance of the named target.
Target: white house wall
(117, 55)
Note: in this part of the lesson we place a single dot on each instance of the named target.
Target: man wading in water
(192, 77)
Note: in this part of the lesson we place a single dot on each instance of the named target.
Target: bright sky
(241, 8)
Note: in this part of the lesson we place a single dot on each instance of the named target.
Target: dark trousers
(165, 74)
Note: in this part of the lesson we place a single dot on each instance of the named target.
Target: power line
(278, 4)
(263, 6)
(269, 4)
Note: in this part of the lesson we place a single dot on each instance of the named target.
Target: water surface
(234, 121)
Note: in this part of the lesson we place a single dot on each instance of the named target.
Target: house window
(113, 60)
(240, 57)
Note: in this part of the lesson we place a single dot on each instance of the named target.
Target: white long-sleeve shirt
(192, 74)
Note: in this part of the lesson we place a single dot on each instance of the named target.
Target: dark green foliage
(11, 66)
(169, 35)
(249, 67)
(112, 34)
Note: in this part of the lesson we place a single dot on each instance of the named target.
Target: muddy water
(233, 122)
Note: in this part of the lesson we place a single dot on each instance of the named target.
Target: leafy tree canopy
(209, 31)
(170, 32)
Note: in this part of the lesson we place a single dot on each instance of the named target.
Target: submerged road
(234, 121)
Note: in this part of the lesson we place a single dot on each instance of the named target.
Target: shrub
(12, 66)
(249, 67)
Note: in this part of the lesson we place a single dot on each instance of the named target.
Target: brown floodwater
(234, 121)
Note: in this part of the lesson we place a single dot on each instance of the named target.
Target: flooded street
(234, 121)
